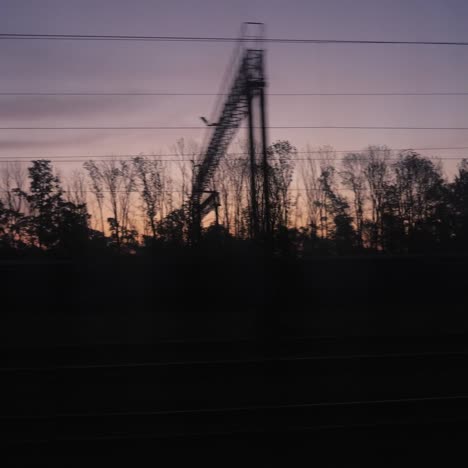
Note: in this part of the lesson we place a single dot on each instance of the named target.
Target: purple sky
(65, 66)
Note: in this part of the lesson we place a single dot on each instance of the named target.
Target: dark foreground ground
(341, 361)
(138, 300)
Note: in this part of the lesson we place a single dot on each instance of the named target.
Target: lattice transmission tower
(243, 100)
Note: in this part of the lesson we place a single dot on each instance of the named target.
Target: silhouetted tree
(186, 153)
(336, 207)
(314, 197)
(12, 227)
(422, 197)
(281, 169)
(174, 228)
(117, 179)
(13, 206)
(378, 177)
(53, 222)
(13, 176)
(149, 182)
(459, 206)
(76, 191)
(96, 186)
(233, 190)
(354, 178)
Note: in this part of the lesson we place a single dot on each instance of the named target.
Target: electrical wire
(277, 40)
(152, 93)
(275, 127)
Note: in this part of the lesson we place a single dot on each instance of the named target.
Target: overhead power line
(151, 93)
(69, 161)
(277, 40)
(234, 153)
(292, 189)
(284, 127)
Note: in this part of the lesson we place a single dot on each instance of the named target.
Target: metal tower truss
(246, 90)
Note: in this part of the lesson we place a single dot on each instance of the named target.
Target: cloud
(11, 144)
(27, 108)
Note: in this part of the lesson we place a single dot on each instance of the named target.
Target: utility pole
(266, 172)
(253, 169)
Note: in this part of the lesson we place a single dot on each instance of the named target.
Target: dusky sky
(88, 66)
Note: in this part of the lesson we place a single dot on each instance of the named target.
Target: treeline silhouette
(366, 202)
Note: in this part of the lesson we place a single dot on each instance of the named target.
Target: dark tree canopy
(367, 202)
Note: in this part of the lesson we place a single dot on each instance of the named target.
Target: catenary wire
(271, 40)
(245, 153)
(278, 127)
(61, 161)
(151, 93)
